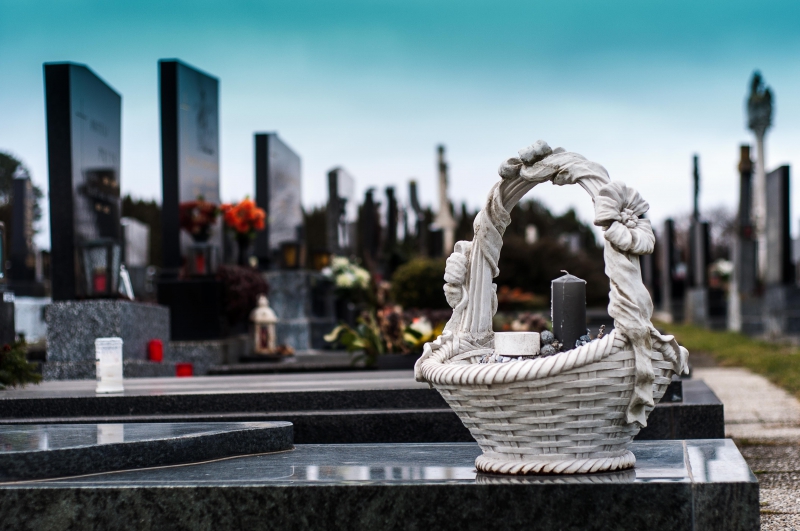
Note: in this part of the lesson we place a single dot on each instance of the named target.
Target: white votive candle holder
(108, 359)
(516, 344)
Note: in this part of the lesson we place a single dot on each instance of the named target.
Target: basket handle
(619, 210)
(536, 164)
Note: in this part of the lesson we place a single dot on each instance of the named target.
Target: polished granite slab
(326, 408)
(54, 450)
(699, 485)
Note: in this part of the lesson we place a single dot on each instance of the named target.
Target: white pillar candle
(108, 359)
(516, 344)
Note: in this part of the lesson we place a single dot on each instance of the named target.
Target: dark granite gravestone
(780, 270)
(697, 298)
(189, 151)
(370, 228)
(190, 169)
(83, 149)
(420, 227)
(8, 329)
(666, 266)
(701, 485)
(342, 212)
(55, 450)
(781, 308)
(279, 193)
(745, 306)
(22, 252)
(746, 259)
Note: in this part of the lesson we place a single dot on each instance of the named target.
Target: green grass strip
(778, 363)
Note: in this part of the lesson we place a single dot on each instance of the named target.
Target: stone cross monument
(759, 119)
(444, 218)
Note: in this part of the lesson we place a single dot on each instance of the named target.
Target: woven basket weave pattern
(572, 412)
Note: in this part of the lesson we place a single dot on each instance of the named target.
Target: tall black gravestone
(781, 296)
(22, 253)
(745, 306)
(279, 193)
(83, 148)
(189, 150)
(83, 145)
(189, 170)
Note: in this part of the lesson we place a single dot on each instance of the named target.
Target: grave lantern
(320, 259)
(101, 265)
(290, 255)
(264, 320)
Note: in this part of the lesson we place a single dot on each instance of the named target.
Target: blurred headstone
(759, 120)
(444, 220)
(189, 152)
(420, 227)
(279, 193)
(696, 302)
(781, 296)
(22, 253)
(370, 229)
(83, 148)
(342, 212)
(744, 301)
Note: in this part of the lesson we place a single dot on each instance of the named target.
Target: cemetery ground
(763, 418)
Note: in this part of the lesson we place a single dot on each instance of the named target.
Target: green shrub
(419, 284)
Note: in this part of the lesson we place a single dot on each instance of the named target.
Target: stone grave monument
(696, 301)
(759, 120)
(745, 302)
(444, 221)
(279, 193)
(302, 299)
(781, 308)
(342, 212)
(190, 170)
(22, 276)
(420, 227)
(83, 144)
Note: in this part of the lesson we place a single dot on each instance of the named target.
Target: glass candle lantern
(101, 264)
(290, 255)
(201, 260)
(264, 320)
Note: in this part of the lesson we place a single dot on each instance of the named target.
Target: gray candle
(568, 309)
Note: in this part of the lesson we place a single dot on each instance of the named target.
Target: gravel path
(764, 420)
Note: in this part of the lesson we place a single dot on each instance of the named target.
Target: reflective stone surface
(703, 461)
(677, 485)
(54, 450)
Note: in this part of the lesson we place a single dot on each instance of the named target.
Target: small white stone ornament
(566, 412)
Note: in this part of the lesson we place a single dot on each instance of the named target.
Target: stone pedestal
(72, 327)
(195, 308)
(696, 307)
(304, 303)
(781, 311)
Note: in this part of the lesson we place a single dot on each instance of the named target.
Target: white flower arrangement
(348, 275)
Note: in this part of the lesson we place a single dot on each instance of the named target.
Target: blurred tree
(11, 167)
(316, 229)
(418, 284)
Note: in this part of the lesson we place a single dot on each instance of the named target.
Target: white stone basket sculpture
(573, 412)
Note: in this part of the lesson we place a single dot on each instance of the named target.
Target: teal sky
(374, 86)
